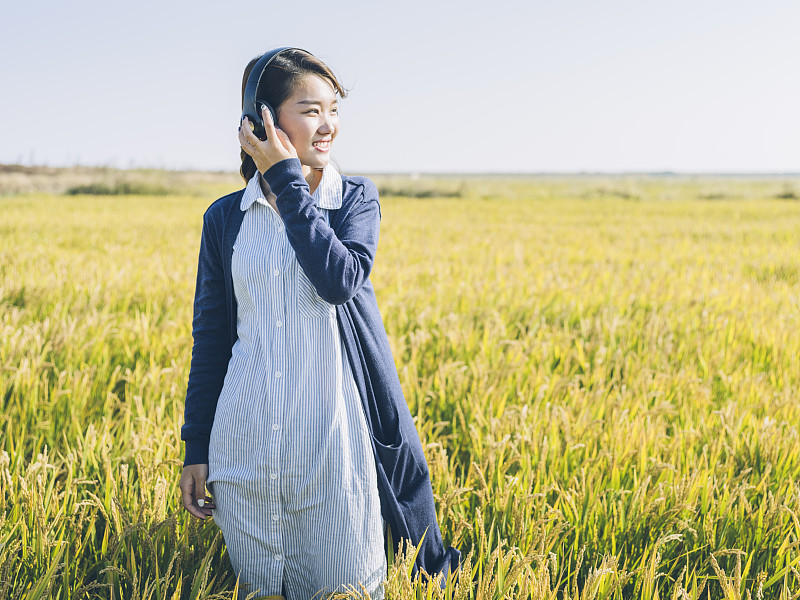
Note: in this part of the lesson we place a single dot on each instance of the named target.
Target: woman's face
(310, 117)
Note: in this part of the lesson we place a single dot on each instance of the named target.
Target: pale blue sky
(499, 86)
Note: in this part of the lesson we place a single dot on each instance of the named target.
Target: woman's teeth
(321, 145)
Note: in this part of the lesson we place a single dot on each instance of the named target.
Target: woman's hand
(193, 490)
(266, 153)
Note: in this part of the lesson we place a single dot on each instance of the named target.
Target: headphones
(251, 106)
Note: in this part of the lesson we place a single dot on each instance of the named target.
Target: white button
(277, 557)
(273, 475)
(275, 427)
(274, 517)
(280, 227)
(276, 272)
(279, 324)
(277, 374)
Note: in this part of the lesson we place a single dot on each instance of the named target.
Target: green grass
(604, 374)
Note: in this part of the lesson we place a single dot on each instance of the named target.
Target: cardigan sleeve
(211, 348)
(337, 263)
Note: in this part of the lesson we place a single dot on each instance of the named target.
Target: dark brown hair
(278, 82)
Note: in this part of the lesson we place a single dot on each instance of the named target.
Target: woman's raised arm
(338, 262)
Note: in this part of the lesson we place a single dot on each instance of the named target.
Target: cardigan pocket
(310, 303)
(402, 468)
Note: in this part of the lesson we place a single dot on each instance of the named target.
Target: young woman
(294, 416)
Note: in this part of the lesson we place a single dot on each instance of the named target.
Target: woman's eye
(312, 111)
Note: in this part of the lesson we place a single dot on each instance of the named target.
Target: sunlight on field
(604, 373)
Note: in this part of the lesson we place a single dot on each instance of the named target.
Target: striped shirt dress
(291, 466)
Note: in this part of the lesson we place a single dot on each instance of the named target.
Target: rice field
(604, 372)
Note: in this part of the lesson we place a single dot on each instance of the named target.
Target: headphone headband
(250, 108)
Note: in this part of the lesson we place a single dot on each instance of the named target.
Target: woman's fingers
(193, 491)
(200, 494)
(266, 153)
(247, 138)
(285, 142)
(269, 125)
(188, 500)
(280, 141)
(190, 504)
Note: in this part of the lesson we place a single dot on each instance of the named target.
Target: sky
(460, 87)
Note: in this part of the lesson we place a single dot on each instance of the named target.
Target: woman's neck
(313, 177)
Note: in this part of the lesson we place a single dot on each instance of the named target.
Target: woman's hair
(278, 82)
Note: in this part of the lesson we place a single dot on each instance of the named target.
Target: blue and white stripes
(290, 460)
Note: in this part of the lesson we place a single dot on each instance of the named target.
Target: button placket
(274, 508)
(275, 370)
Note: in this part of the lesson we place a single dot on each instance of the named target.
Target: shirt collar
(327, 195)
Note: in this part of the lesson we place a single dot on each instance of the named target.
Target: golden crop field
(604, 372)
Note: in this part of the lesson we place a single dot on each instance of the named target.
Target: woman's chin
(316, 162)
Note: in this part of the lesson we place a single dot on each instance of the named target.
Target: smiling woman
(310, 118)
(309, 82)
(294, 417)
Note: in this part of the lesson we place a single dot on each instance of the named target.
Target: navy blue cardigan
(337, 259)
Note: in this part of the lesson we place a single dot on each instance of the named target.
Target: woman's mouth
(322, 146)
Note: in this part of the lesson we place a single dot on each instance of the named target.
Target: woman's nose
(327, 125)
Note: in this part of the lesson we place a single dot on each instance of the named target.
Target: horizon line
(444, 173)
